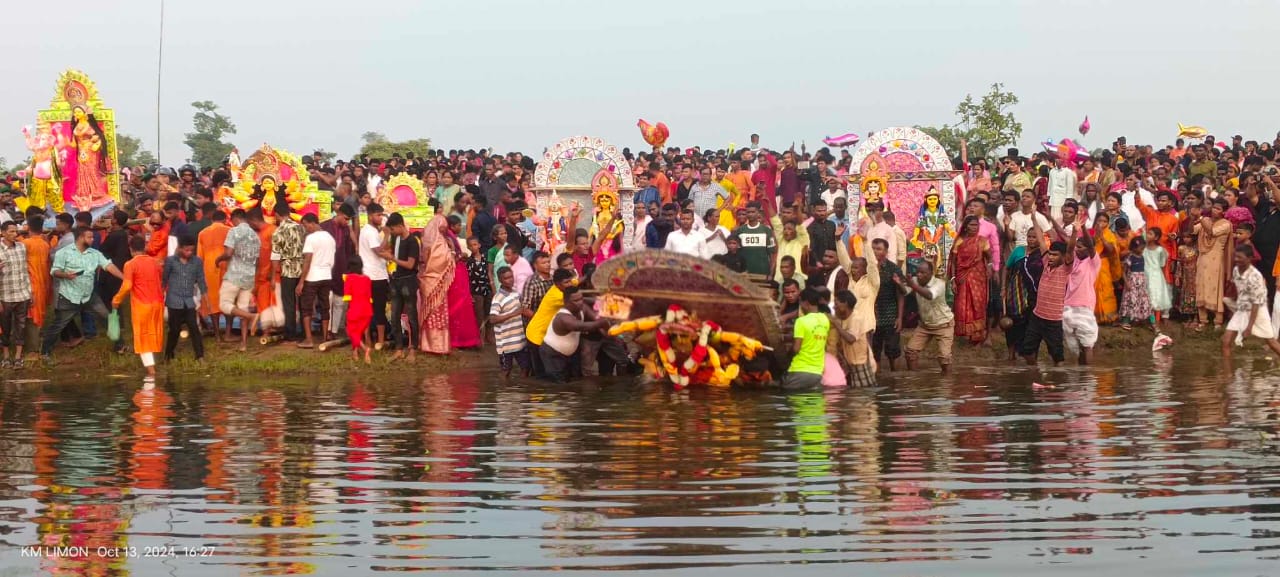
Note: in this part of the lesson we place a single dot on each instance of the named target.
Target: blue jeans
(63, 313)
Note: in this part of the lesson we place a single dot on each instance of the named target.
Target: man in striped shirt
(508, 329)
(1046, 319)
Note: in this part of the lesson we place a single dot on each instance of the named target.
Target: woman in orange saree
(970, 263)
(435, 275)
(1107, 308)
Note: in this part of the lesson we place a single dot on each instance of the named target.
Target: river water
(1166, 468)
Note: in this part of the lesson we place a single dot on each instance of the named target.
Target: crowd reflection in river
(462, 471)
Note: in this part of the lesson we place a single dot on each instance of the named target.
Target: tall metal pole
(159, 71)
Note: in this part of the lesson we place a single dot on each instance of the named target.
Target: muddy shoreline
(96, 359)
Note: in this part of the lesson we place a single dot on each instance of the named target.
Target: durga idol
(931, 226)
(607, 222)
(85, 184)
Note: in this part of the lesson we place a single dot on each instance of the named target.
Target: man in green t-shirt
(758, 245)
(810, 344)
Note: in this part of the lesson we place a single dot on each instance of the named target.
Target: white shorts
(233, 297)
(1261, 325)
(1079, 327)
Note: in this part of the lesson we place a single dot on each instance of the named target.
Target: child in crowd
(731, 259)
(357, 291)
(1250, 305)
(1159, 293)
(1243, 234)
(508, 330)
(1136, 306)
(481, 288)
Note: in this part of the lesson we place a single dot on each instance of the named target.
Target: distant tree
(986, 125)
(130, 151)
(207, 147)
(377, 146)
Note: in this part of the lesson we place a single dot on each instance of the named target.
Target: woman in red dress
(464, 333)
(969, 262)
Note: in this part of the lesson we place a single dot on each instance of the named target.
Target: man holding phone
(75, 268)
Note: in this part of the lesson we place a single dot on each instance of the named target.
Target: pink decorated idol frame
(913, 162)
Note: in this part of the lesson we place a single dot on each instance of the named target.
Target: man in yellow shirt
(561, 279)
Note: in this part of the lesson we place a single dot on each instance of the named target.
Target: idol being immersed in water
(931, 225)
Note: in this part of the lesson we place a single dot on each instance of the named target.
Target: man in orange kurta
(1164, 217)
(38, 269)
(157, 246)
(209, 248)
(146, 303)
(264, 291)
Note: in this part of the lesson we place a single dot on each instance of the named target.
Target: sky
(523, 74)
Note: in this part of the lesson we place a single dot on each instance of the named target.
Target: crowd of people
(1046, 251)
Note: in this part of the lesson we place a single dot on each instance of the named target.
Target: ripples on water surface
(1164, 470)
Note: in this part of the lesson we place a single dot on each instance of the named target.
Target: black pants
(404, 301)
(1038, 330)
(1016, 333)
(612, 357)
(888, 341)
(289, 302)
(535, 359)
(178, 318)
(559, 368)
(381, 289)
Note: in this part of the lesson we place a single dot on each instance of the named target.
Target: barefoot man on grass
(240, 251)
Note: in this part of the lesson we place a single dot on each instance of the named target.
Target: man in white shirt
(318, 251)
(1017, 224)
(373, 252)
(633, 239)
(1129, 206)
(832, 192)
(882, 230)
(1062, 185)
(685, 240)
(716, 235)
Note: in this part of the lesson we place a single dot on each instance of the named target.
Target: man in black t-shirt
(405, 248)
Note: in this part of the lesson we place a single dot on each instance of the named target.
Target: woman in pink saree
(435, 277)
(464, 332)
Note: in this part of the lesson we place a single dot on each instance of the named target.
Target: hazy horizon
(523, 75)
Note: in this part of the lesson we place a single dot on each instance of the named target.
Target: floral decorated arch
(574, 161)
(908, 162)
(270, 169)
(566, 175)
(405, 194)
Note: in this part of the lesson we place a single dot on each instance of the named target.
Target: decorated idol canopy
(274, 179)
(589, 172)
(405, 194)
(74, 166)
(912, 175)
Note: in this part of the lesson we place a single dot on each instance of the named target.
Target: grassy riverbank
(95, 358)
